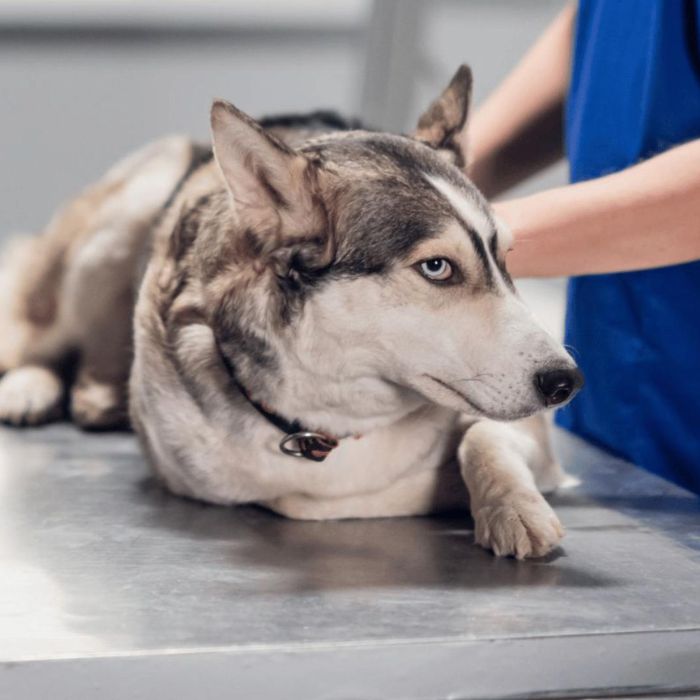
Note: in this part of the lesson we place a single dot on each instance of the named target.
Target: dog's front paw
(522, 525)
(30, 395)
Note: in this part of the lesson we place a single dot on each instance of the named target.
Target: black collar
(309, 444)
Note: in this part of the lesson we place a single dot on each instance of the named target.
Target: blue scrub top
(635, 92)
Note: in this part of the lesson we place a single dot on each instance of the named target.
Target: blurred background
(82, 82)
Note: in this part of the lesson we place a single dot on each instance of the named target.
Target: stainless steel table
(111, 588)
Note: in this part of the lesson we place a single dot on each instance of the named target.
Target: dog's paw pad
(30, 395)
(98, 406)
(522, 526)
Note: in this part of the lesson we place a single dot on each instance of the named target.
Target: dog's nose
(558, 385)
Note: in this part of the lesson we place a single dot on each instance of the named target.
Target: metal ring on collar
(315, 446)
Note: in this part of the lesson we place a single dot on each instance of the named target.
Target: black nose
(558, 385)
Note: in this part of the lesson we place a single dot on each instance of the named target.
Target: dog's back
(69, 293)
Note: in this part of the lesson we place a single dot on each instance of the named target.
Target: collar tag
(313, 446)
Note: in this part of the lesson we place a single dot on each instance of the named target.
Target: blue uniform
(635, 92)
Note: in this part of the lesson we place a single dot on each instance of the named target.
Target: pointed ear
(443, 124)
(271, 183)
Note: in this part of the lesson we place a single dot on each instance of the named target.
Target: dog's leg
(30, 395)
(543, 463)
(417, 494)
(30, 392)
(100, 284)
(102, 300)
(511, 517)
(98, 399)
(99, 293)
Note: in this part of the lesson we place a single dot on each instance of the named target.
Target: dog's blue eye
(436, 269)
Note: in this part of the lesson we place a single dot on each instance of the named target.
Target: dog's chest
(425, 440)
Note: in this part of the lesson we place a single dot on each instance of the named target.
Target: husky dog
(313, 319)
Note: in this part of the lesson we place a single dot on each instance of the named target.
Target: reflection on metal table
(111, 588)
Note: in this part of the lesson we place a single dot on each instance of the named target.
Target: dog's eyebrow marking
(480, 249)
(473, 219)
(468, 210)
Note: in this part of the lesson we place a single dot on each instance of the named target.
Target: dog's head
(363, 273)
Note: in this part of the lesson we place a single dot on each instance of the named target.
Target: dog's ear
(443, 124)
(273, 186)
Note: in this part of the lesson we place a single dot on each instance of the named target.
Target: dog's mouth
(470, 402)
(477, 409)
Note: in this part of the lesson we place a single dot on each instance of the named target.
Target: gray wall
(490, 35)
(71, 105)
(79, 91)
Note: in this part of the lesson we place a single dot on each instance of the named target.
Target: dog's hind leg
(15, 328)
(99, 296)
(70, 293)
(511, 517)
(99, 289)
(37, 337)
(98, 397)
(31, 391)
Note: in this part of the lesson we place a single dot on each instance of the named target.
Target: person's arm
(518, 130)
(645, 216)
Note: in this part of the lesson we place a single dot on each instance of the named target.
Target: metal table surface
(111, 588)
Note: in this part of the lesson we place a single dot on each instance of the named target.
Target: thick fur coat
(351, 281)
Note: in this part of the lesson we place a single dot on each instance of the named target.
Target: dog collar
(310, 444)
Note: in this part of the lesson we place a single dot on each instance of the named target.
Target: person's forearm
(518, 129)
(642, 217)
